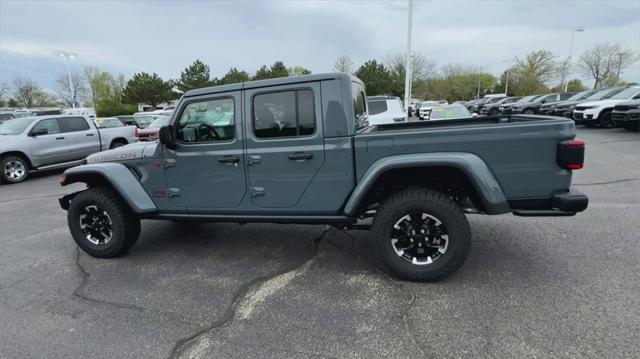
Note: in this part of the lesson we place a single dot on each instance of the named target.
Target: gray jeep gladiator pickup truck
(300, 150)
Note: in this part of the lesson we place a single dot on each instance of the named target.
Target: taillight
(137, 132)
(571, 154)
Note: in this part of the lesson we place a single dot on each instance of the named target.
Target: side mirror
(166, 136)
(39, 132)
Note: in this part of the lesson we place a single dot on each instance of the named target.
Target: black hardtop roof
(272, 82)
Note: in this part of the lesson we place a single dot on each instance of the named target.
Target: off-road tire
(7, 159)
(125, 223)
(432, 203)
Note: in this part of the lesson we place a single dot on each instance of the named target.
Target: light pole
(69, 56)
(573, 36)
(506, 85)
(408, 69)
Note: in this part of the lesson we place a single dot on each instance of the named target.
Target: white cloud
(164, 37)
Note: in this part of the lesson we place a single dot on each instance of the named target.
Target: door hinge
(257, 191)
(169, 162)
(173, 192)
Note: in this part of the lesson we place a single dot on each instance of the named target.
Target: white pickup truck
(46, 142)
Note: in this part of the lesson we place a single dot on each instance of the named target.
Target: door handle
(300, 156)
(229, 160)
(59, 138)
(89, 134)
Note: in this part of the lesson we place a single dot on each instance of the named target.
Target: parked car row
(593, 108)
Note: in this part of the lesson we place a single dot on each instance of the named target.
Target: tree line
(537, 72)
(114, 95)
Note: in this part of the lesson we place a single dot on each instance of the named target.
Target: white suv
(385, 109)
(598, 113)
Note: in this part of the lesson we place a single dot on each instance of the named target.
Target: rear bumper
(566, 203)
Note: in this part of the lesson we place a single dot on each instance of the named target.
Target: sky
(166, 36)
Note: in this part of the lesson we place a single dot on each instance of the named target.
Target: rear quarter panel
(521, 155)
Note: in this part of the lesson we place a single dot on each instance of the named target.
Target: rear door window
(284, 114)
(73, 124)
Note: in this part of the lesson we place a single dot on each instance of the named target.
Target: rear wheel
(421, 235)
(101, 223)
(14, 169)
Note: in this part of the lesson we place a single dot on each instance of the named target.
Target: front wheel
(101, 223)
(421, 235)
(529, 111)
(14, 169)
(604, 120)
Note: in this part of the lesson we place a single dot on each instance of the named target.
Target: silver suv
(38, 143)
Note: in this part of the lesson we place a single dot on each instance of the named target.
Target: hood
(523, 104)
(554, 103)
(630, 103)
(602, 103)
(570, 103)
(129, 152)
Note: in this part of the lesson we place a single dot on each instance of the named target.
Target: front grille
(582, 108)
(622, 108)
(618, 116)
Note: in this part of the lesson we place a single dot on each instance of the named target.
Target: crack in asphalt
(607, 182)
(231, 312)
(78, 293)
(395, 283)
(34, 197)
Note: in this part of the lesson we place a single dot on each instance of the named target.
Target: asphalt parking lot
(532, 287)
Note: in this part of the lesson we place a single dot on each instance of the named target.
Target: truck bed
(520, 150)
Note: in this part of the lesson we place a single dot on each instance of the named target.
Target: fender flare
(119, 177)
(483, 180)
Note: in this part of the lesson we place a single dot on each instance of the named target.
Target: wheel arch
(115, 176)
(118, 140)
(464, 169)
(17, 153)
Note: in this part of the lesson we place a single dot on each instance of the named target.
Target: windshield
(143, 120)
(15, 126)
(604, 94)
(449, 112)
(528, 98)
(626, 94)
(579, 96)
(160, 121)
(429, 103)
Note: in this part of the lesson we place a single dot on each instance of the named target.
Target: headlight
(595, 106)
